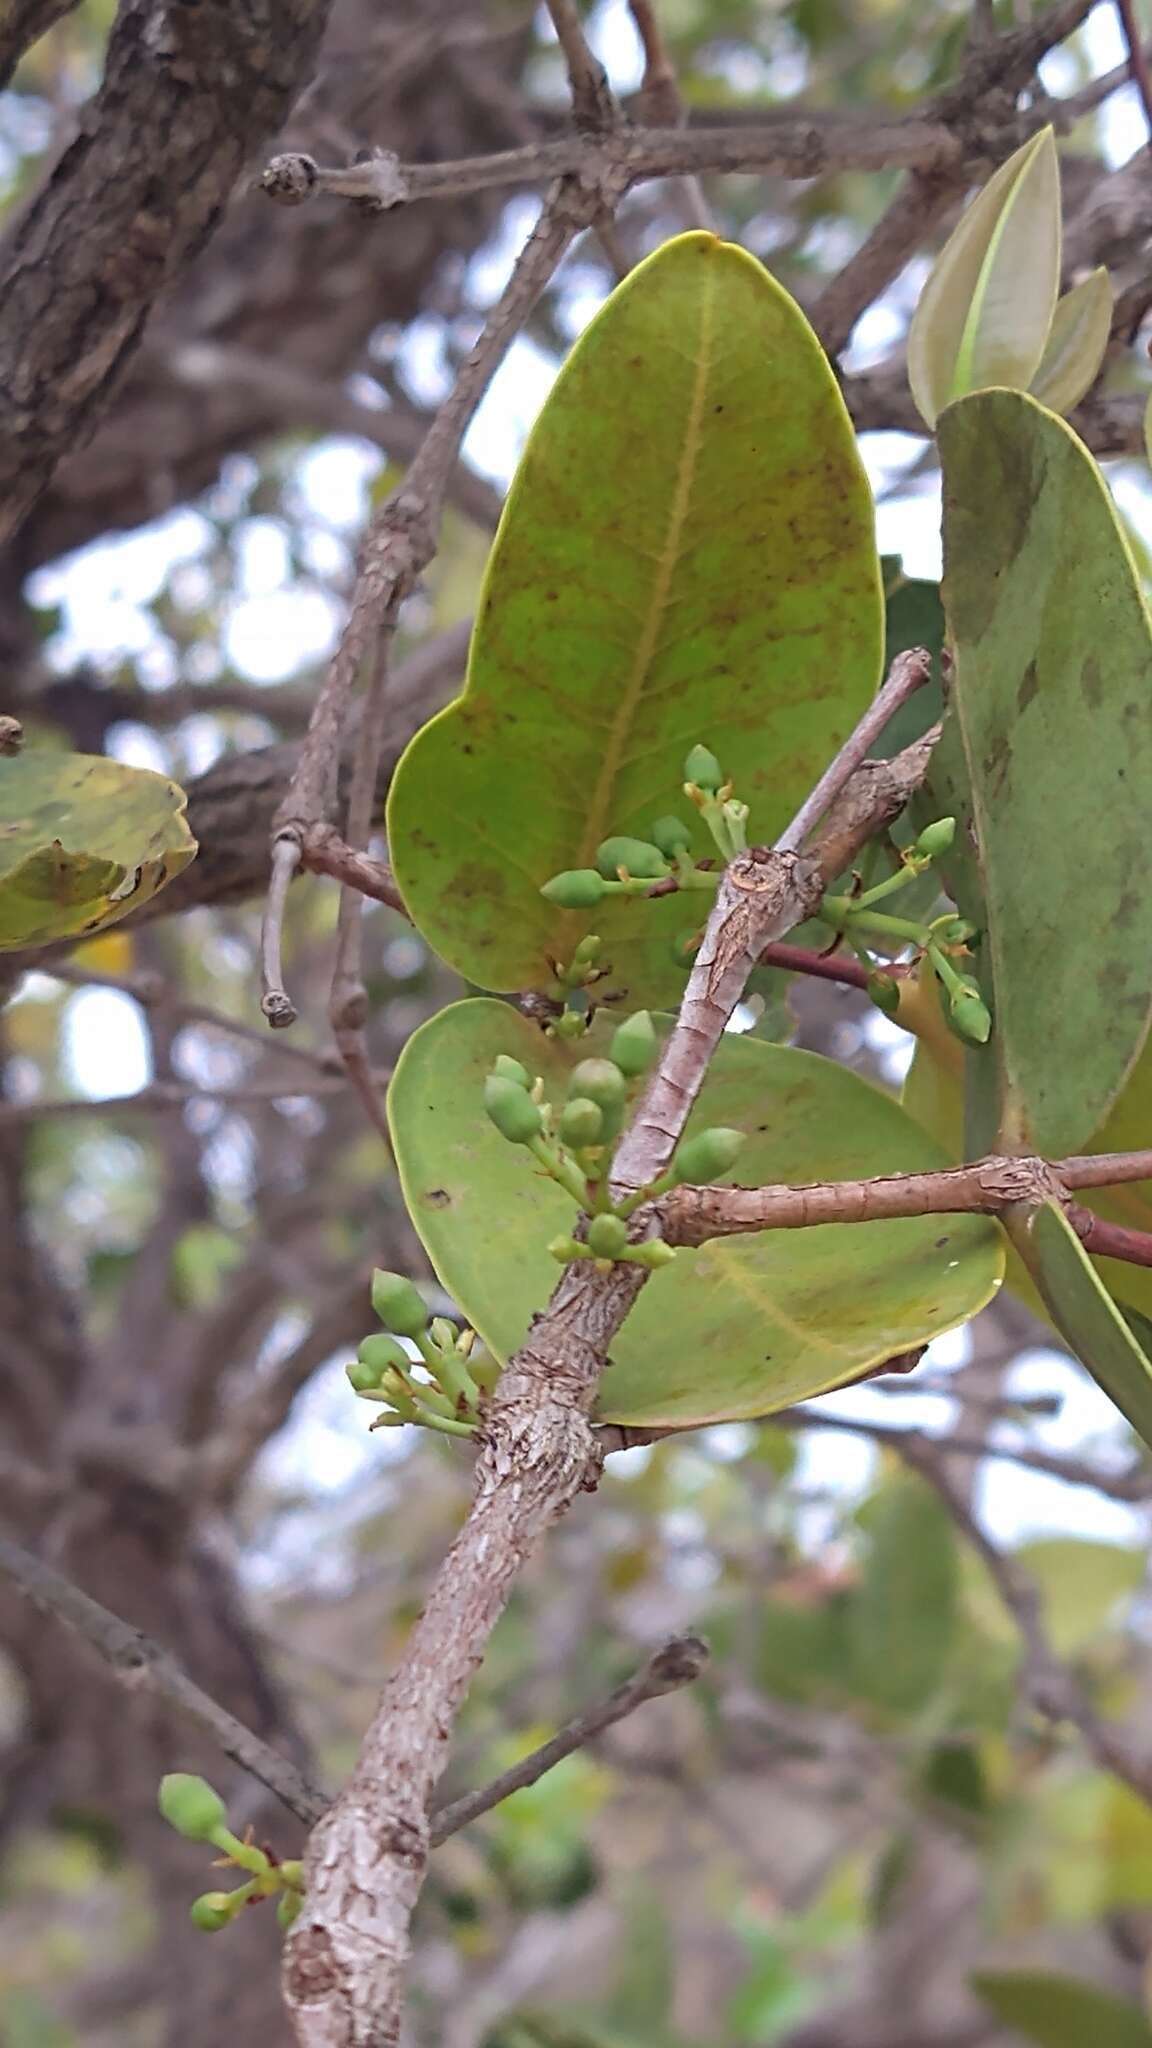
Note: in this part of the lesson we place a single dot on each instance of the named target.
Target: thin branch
(1137, 61)
(909, 672)
(839, 967)
(324, 852)
(594, 107)
(661, 105)
(678, 1663)
(275, 1002)
(1110, 1240)
(691, 1215)
(22, 24)
(348, 1001)
(143, 1666)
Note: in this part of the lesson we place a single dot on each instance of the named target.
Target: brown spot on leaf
(438, 1198)
(1029, 685)
(1091, 681)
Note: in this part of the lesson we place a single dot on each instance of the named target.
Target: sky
(277, 624)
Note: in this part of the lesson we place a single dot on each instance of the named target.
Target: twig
(1137, 61)
(400, 542)
(1110, 1240)
(324, 852)
(348, 1001)
(692, 1215)
(662, 105)
(143, 1666)
(840, 967)
(275, 1002)
(909, 672)
(677, 1663)
(594, 107)
(345, 1959)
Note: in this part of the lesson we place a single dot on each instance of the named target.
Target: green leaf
(1061, 2012)
(1076, 343)
(903, 1616)
(1082, 1582)
(913, 617)
(985, 313)
(686, 556)
(737, 1328)
(1085, 1314)
(1051, 695)
(82, 841)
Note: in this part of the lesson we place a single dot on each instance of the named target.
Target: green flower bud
(511, 1070)
(672, 836)
(954, 931)
(190, 1806)
(563, 1249)
(635, 855)
(607, 1236)
(363, 1379)
(970, 1017)
(397, 1302)
(211, 1911)
(514, 1113)
(936, 839)
(704, 770)
(709, 1154)
(575, 889)
(654, 1252)
(380, 1354)
(884, 993)
(569, 1024)
(601, 1081)
(634, 1045)
(581, 1123)
(443, 1333)
(588, 951)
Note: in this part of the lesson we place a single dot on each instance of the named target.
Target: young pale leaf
(686, 556)
(1076, 343)
(1061, 2012)
(740, 1327)
(1085, 1314)
(82, 841)
(985, 313)
(1053, 655)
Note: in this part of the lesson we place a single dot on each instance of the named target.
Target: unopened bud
(709, 1154)
(636, 857)
(703, 769)
(601, 1081)
(398, 1303)
(672, 836)
(581, 1123)
(575, 889)
(970, 1017)
(935, 839)
(607, 1236)
(633, 1047)
(514, 1113)
(511, 1070)
(884, 993)
(210, 1912)
(189, 1805)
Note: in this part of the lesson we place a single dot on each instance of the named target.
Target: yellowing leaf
(739, 1327)
(82, 841)
(984, 315)
(687, 554)
(1076, 343)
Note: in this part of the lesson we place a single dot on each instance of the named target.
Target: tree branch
(677, 1663)
(690, 1216)
(188, 94)
(22, 24)
(143, 1666)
